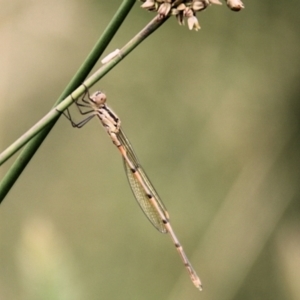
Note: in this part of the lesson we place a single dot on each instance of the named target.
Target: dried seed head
(235, 5)
(182, 9)
(149, 5)
(164, 9)
(193, 23)
(199, 5)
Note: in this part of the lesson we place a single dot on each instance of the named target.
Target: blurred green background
(214, 118)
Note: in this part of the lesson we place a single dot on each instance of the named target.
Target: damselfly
(139, 182)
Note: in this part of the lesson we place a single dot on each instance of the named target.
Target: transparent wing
(138, 190)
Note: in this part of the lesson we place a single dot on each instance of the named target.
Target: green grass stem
(32, 146)
(39, 131)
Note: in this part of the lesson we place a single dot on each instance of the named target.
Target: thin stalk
(49, 120)
(30, 149)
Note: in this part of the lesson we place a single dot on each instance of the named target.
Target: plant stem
(30, 149)
(49, 120)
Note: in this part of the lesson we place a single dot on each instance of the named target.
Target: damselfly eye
(98, 98)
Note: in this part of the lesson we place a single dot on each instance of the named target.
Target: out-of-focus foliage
(213, 116)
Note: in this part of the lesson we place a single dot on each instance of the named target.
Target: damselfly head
(98, 98)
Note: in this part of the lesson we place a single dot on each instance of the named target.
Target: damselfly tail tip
(197, 283)
(198, 286)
